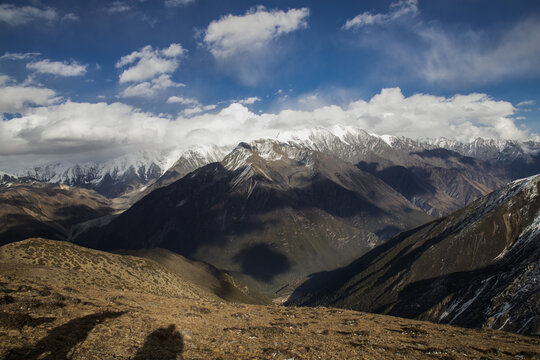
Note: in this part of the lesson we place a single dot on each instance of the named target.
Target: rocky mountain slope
(435, 179)
(31, 209)
(270, 213)
(61, 301)
(477, 267)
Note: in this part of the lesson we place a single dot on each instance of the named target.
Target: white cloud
(118, 7)
(245, 45)
(150, 88)
(195, 107)
(13, 15)
(199, 109)
(526, 103)
(182, 100)
(173, 3)
(249, 101)
(149, 62)
(397, 10)
(4, 79)
(466, 57)
(57, 68)
(81, 127)
(17, 98)
(70, 17)
(232, 34)
(19, 56)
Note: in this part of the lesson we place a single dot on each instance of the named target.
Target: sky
(80, 78)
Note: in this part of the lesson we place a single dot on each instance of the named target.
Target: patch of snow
(468, 303)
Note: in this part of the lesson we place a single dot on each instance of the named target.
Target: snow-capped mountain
(286, 208)
(490, 149)
(397, 160)
(122, 174)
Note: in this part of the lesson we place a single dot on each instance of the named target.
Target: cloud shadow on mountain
(262, 262)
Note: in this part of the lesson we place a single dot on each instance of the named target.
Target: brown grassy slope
(46, 210)
(87, 267)
(203, 274)
(49, 311)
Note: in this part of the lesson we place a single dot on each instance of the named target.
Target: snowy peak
(265, 150)
(489, 149)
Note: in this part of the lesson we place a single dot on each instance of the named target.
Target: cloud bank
(72, 127)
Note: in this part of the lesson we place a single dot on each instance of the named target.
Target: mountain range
(478, 267)
(478, 167)
(270, 213)
(274, 212)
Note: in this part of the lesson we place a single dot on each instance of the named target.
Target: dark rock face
(477, 267)
(298, 209)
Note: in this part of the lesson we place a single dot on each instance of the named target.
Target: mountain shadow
(162, 343)
(62, 339)
(262, 262)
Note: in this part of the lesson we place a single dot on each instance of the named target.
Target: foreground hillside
(477, 267)
(104, 309)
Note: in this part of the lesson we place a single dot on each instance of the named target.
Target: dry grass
(48, 311)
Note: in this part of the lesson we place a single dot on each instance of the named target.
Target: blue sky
(459, 69)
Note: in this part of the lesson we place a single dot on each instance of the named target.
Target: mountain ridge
(476, 267)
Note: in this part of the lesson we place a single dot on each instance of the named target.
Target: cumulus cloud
(174, 3)
(240, 44)
(199, 109)
(81, 127)
(57, 68)
(16, 98)
(4, 79)
(150, 88)
(182, 100)
(232, 34)
(149, 62)
(249, 101)
(397, 10)
(193, 105)
(19, 56)
(15, 15)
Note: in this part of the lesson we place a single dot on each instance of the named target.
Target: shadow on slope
(162, 343)
(262, 262)
(62, 339)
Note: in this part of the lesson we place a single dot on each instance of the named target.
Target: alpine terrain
(478, 267)
(270, 213)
